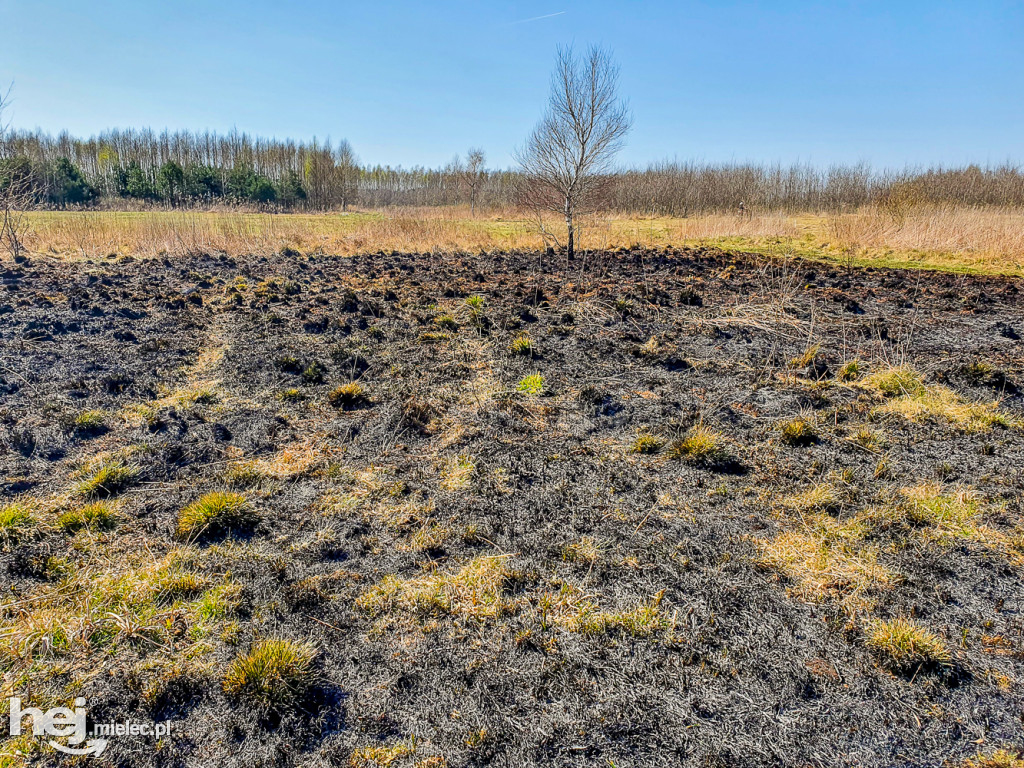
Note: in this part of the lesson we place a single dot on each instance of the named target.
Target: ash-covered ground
(643, 508)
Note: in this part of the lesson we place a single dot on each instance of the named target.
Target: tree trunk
(570, 242)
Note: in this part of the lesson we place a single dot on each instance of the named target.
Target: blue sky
(890, 83)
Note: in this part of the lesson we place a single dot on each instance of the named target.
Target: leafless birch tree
(16, 191)
(472, 174)
(571, 150)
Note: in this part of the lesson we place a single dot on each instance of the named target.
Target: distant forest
(137, 168)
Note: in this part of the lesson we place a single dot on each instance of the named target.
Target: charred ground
(649, 507)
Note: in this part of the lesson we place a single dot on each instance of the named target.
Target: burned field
(647, 508)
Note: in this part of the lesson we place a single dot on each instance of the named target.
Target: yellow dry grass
(985, 240)
(829, 559)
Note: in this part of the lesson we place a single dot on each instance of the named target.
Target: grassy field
(982, 241)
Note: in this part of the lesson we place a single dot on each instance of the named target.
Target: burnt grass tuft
(676, 546)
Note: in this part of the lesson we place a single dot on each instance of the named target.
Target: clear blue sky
(891, 83)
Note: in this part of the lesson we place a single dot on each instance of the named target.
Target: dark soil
(751, 674)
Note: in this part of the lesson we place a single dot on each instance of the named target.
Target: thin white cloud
(536, 18)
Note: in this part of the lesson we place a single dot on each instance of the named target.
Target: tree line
(189, 169)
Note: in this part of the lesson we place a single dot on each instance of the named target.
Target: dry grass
(987, 240)
(103, 605)
(945, 236)
(474, 591)
(828, 559)
(909, 397)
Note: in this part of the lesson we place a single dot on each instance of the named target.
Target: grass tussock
(348, 397)
(531, 385)
(107, 478)
(274, 674)
(17, 521)
(95, 516)
(215, 513)
(647, 443)
(799, 432)
(905, 646)
(701, 446)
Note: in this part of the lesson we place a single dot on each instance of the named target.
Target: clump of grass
(905, 646)
(521, 345)
(16, 521)
(531, 385)
(244, 474)
(1000, 758)
(291, 396)
(647, 443)
(198, 395)
(571, 610)
(808, 357)
(431, 337)
(868, 439)
(642, 621)
(896, 381)
(701, 446)
(89, 423)
(215, 513)
(926, 504)
(288, 364)
(108, 479)
(474, 591)
(96, 516)
(274, 674)
(475, 302)
(819, 498)
(586, 551)
(799, 432)
(382, 756)
(314, 373)
(457, 473)
(348, 397)
(849, 371)
(446, 323)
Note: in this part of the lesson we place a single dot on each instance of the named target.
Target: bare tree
(570, 152)
(472, 174)
(16, 191)
(347, 169)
